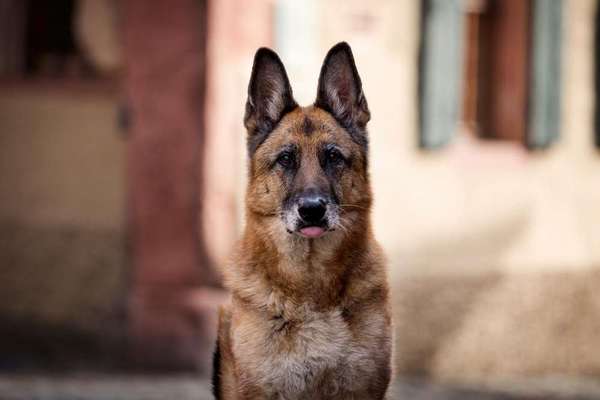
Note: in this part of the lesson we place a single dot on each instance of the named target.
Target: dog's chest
(294, 356)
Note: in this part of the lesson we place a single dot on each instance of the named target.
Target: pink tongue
(312, 231)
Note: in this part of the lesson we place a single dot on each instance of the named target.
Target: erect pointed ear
(340, 89)
(269, 96)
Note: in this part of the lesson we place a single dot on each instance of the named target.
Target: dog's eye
(334, 156)
(286, 160)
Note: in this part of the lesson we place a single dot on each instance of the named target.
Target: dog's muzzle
(312, 210)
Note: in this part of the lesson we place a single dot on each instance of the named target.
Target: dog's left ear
(340, 89)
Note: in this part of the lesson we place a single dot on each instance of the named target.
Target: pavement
(188, 387)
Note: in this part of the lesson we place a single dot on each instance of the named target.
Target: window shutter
(441, 61)
(544, 114)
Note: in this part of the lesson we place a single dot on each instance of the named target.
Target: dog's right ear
(340, 90)
(269, 97)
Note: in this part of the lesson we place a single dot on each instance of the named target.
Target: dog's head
(308, 165)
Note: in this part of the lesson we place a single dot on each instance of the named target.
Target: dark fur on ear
(340, 92)
(269, 97)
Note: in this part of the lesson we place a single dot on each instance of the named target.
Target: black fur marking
(346, 314)
(216, 373)
(308, 126)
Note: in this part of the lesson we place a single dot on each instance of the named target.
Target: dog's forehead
(310, 125)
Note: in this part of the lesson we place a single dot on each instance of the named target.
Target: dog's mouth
(296, 225)
(312, 232)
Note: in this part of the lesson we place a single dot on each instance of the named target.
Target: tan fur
(309, 318)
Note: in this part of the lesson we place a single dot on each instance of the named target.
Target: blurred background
(122, 173)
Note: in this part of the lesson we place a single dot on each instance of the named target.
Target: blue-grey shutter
(544, 100)
(441, 69)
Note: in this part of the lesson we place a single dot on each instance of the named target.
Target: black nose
(312, 209)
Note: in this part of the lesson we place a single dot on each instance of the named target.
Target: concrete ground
(187, 387)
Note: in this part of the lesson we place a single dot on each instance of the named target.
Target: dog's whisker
(353, 205)
(343, 228)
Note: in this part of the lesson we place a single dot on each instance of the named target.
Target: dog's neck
(298, 269)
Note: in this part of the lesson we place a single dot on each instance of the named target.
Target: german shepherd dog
(309, 316)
